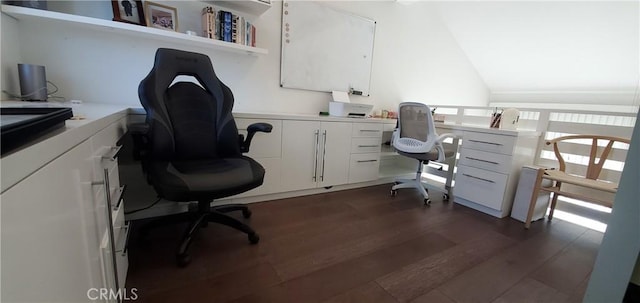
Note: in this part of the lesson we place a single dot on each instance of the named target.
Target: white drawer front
(364, 167)
(365, 145)
(489, 142)
(389, 127)
(263, 145)
(485, 160)
(480, 186)
(118, 223)
(367, 130)
(109, 135)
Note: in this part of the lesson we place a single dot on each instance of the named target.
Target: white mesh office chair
(416, 138)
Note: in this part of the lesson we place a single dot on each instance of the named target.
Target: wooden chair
(590, 180)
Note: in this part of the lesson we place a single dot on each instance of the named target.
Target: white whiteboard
(324, 49)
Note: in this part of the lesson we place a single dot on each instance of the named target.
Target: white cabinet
(315, 154)
(54, 222)
(489, 167)
(266, 149)
(49, 245)
(365, 152)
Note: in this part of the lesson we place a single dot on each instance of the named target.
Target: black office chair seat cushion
(208, 179)
(430, 156)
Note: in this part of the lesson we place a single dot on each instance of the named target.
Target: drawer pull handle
(324, 152)
(367, 145)
(119, 195)
(370, 130)
(112, 154)
(124, 246)
(481, 160)
(315, 156)
(482, 179)
(108, 208)
(363, 161)
(485, 142)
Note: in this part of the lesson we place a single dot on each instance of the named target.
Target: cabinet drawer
(263, 145)
(480, 186)
(489, 142)
(108, 136)
(119, 228)
(485, 160)
(121, 259)
(364, 167)
(367, 130)
(389, 127)
(365, 145)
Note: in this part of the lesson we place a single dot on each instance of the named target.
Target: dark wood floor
(364, 246)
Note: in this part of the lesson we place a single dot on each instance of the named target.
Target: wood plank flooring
(362, 245)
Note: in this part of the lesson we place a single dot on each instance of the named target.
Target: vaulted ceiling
(549, 45)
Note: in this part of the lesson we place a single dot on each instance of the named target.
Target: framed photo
(161, 16)
(128, 11)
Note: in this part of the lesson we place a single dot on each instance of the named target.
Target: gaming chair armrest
(251, 131)
(139, 133)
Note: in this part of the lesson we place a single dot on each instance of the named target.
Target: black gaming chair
(190, 147)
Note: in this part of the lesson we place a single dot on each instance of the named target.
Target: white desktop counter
(22, 162)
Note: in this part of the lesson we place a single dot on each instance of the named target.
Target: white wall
(10, 54)
(415, 58)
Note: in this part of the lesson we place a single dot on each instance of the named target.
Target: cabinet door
(480, 186)
(300, 153)
(335, 152)
(266, 149)
(47, 254)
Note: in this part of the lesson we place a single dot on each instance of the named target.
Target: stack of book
(226, 26)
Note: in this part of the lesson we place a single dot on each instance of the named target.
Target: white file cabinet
(489, 166)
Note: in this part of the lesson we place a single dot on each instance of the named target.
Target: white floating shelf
(49, 18)
(253, 7)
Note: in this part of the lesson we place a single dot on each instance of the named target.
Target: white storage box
(523, 196)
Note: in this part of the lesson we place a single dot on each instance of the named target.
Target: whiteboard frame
(364, 92)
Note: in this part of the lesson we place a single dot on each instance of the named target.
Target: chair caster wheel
(394, 192)
(445, 197)
(254, 238)
(427, 201)
(246, 214)
(183, 259)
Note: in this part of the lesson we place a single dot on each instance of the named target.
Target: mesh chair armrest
(447, 135)
(251, 131)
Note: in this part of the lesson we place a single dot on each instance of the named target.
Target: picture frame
(161, 16)
(128, 11)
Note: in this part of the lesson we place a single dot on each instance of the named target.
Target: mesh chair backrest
(187, 121)
(415, 121)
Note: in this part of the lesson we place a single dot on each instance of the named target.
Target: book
(225, 26)
(253, 36)
(208, 22)
(235, 28)
(247, 33)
